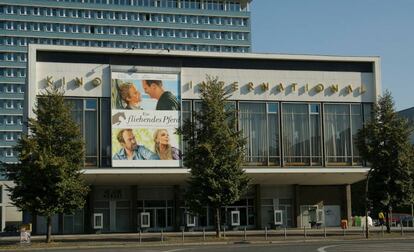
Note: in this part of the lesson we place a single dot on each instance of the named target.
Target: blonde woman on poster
(130, 95)
(163, 147)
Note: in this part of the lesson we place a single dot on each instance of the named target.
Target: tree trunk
(49, 229)
(387, 220)
(218, 233)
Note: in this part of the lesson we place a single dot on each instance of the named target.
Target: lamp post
(366, 204)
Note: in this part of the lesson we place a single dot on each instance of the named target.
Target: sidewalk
(199, 238)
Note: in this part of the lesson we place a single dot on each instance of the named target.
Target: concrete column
(348, 204)
(133, 211)
(258, 206)
(296, 208)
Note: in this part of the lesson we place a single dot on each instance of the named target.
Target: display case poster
(145, 110)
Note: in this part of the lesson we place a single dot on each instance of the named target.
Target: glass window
(337, 134)
(296, 137)
(261, 131)
(356, 125)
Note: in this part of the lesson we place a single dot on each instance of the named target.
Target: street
(317, 246)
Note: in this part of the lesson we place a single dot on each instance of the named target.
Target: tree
(215, 153)
(47, 176)
(384, 143)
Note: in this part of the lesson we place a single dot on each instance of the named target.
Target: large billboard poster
(145, 115)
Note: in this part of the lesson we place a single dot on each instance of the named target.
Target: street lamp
(366, 204)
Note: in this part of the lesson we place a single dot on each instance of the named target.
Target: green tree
(47, 176)
(384, 143)
(214, 153)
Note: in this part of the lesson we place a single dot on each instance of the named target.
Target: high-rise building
(193, 25)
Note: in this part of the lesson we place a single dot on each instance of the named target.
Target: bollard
(285, 233)
(304, 231)
(182, 233)
(204, 234)
(402, 229)
(245, 234)
(324, 231)
(266, 233)
(140, 238)
(162, 236)
(224, 232)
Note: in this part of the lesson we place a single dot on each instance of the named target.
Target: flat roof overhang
(263, 176)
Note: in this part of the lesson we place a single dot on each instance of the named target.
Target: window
(337, 126)
(23, 10)
(9, 153)
(301, 134)
(36, 11)
(9, 136)
(9, 104)
(260, 125)
(99, 14)
(9, 120)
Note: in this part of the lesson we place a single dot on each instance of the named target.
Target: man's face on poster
(129, 140)
(149, 89)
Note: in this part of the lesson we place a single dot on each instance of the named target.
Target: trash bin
(357, 221)
(344, 224)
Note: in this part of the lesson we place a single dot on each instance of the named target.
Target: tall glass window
(105, 135)
(259, 124)
(295, 121)
(301, 134)
(337, 134)
(356, 125)
(93, 118)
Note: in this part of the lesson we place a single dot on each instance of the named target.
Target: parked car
(397, 217)
(407, 221)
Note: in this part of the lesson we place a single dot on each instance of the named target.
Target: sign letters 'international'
(145, 114)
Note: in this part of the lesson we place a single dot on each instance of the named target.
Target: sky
(382, 28)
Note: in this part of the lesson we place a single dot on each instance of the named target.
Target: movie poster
(145, 115)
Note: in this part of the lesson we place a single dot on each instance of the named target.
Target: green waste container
(357, 221)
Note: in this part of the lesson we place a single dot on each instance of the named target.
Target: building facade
(193, 25)
(409, 115)
(299, 114)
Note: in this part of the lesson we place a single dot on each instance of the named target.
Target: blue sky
(382, 28)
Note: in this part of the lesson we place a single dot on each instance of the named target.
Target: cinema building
(299, 113)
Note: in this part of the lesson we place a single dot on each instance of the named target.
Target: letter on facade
(79, 81)
(319, 88)
(294, 86)
(334, 88)
(49, 80)
(250, 86)
(280, 87)
(235, 86)
(350, 89)
(97, 81)
(265, 86)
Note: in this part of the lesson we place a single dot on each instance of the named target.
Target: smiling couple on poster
(145, 114)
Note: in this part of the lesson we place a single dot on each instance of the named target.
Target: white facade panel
(285, 85)
(84, 80)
